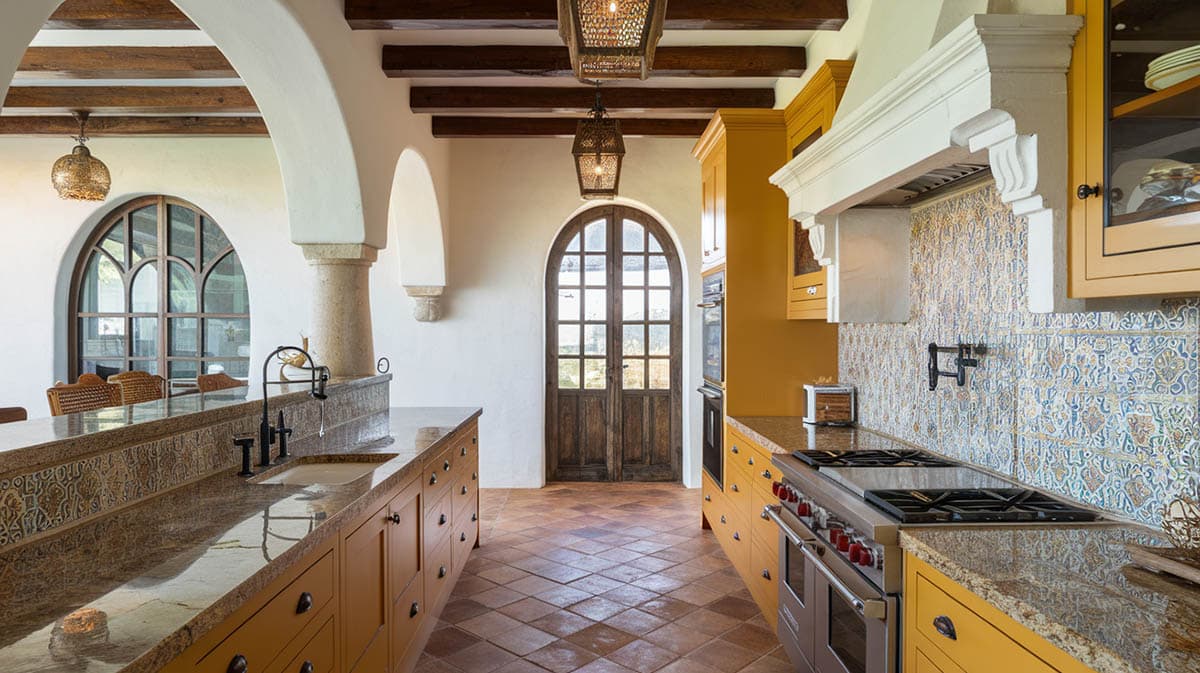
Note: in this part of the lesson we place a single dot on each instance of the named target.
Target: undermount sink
(310, 470)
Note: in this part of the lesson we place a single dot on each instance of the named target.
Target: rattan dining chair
(137, 387)
(85, 396)
(208, 383)
(13, 414)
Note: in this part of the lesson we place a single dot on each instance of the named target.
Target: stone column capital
(427, 301)
(357, 254)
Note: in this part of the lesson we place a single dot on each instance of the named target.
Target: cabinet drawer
(463, 498)
(925, 658)
(764, 474)
(764, 585)
(977, 645)
(319, 655)
(732, 533)
(262, 636)
(711, 499)
(438, 575)
(438, 477)
(408, 613)
(463, 542)
(762, 529)
(375, 660)
(808, 309)
(439, 521)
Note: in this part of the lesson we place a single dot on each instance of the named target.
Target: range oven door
(829, 614)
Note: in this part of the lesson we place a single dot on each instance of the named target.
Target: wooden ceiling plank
(135, 126)
(521, 127)
(549, 99)
(124, 63)
(543, 14)
(549, 61)
(119, 15)
(131, 99)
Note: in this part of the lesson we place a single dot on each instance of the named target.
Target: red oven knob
(866, 558)
(834, 535)
(793, 497)
(843, 543)
(855, 552)
(803, 509)
(775, 488)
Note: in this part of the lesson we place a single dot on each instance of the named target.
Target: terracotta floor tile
(447, 641)
(660, 583)
(528, 609)
(489, 624)
(595, 585)
(754, 638)
(603, 666)
(589, 546)
(722, 656)
(624, 573)
(627, 594)
(497, 597)
(562, 623)
(682, 572)
(468, 586)
(668, 608)
(592, 563)
(561, 657)
(712, 623)
(732, 606)
(480, 658)
(520, 666)
(696, 595)
(620, 555)
(642, 656)
(532, 585)
(460, 609)
(562, 573)
(769, 664)
(653, 564)
(534, 564)
(636, 622)
(678, 639)
(600, 638)
(523, 640)
(563, 596)
(596, 608)
(436, 666)
(685, 666)
(503, 574)
(562, 555)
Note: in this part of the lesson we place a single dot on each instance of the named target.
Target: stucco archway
(416, 225)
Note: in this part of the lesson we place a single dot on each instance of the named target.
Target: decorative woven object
(137, 387)
(599, 150)
(79, 176)
(1181, 523)
(611, 39)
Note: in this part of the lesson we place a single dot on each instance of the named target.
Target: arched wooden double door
(614, 367)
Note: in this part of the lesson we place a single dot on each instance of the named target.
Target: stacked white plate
(1171, 69)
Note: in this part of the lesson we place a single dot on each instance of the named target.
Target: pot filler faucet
(267, 433)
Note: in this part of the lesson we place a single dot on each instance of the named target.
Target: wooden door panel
(568, 430)
(593, 430)
(633, 430)
(364, 572)
(648, 436)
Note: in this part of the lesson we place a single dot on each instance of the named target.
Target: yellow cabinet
(948, 629)
(1134, 181)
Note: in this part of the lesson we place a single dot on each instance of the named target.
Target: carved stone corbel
(427, 301)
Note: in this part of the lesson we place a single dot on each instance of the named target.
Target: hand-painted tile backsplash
(1103, 406)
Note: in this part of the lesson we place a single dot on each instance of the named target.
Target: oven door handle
(772, 512)
(867, 607)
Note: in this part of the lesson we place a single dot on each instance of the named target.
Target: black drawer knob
(446, 466)
(737, 536)
(750, 460)
(462, 537)
(723, 518)
(474, 439)
(474, 476)
(766, 474)
(708, 498)
(734, 449)
(305, 603)
(441, 572)
(464, 490)
(414, 610)
(766, 574)
(944, 626)
(432, 479)
(462, 451)
(238, 664)
(442, 520)
(474, 517)
(1085, 191)
(306, 667)
(394, 518)
(734, 488)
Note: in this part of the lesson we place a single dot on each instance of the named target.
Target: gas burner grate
(873, 458)
(976, 506)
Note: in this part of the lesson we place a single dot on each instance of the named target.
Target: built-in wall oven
(713, 317)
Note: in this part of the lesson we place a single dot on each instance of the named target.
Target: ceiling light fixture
(611, 39)
(599, 150)
(79, 176)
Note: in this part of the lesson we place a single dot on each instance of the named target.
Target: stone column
(341, 331)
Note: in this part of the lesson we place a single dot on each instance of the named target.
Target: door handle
(867, 607)
(944, 626)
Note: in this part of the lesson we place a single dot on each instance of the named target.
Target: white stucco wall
(510, 199)
(237, 181)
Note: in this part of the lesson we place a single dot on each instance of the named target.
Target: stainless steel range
(840, 565)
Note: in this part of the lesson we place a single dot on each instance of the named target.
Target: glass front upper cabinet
(1135, 149)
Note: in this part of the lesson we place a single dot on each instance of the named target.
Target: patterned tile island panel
(1100, 406)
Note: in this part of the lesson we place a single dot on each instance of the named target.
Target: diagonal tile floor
(599, 578)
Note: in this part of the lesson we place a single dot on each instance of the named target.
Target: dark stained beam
(543, 14)
(482, 61)
(135, 126)
(119, 15)
(549, 99)
(131, 99)
(123, 63)
(519, 127)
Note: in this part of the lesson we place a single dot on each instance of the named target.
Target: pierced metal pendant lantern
(79, 176)
(599, 150)
(611, 39)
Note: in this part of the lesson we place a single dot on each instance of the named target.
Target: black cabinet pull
(734, 488)
(750, 460)
(394, 518)
(446, 466)
(441, 572)
(944, 626)
(442, 520)
(737, 536)
(766, 574)
(462, 537)
(708, 498)
(306, 667)
(474, 517)
(722, 518)
(414, 610)
(474, 439)
(238, 664)
(474, 476)
(463, 451)
(305, 603)
(464, 490)
(734, 449)
(1085, 191)
(432, 479)
(766, 474)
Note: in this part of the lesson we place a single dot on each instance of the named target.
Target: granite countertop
(1072, 585)
(167, 570)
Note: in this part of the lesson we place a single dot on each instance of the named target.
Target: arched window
(159, 288)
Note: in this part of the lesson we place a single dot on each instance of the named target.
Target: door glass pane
(634, 374)
(569, 271)
(573, 246)
(214, 241)
(102, 337)
(114, 242)
(660, 305)
(594, 237)
(654, 244)
(634, 235)
(181, 241)
(225, 291)
(568, 373)
(660, 339)
(593, 271)
(593, 339)
(795, 572)
(183, 337)
(633, 305)
(145, 337)
(569, 304)
(568, 339)
(227, 337)
(102, 368)
(148, 366)
(847, 634)
(239, 369)
(181, 295)
(634, 271)
(634, 341)
(658, 273)
(145, 233)
(103, 290)
(183, 369)
(593, 374)
(595, 304)
(660, 375)
(145, 290)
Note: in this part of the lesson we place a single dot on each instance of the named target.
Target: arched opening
(614, 312)
(415, 220)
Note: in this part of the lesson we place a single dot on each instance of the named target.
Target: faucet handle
(245, 443)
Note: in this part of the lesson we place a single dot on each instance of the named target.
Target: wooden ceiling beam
(131, 99)
(490, 60)
(119, 15)
(550, 99)
(123, 63)
(135, 126)
(521, 127)
(543, 14)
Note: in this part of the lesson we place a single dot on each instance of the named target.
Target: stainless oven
(713, 336)
(712, 453)
(831, 618)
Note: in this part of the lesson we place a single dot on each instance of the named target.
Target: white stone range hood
(997, 86)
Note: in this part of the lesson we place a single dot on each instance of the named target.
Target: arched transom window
(159, 288)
